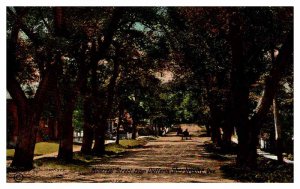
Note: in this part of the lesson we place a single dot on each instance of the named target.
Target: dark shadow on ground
(267, 171)
(213, 148)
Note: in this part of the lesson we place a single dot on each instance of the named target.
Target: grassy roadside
(124, 144)
(41, 148)
(80, 161)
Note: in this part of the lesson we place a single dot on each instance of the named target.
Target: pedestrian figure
(186, 133)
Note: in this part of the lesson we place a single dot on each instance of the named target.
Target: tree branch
(272, 82)
(110, 31)
(16, 91)
(32, 36)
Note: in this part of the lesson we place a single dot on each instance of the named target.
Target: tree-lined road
(167, 159)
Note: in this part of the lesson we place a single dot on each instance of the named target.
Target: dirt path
(168, 159)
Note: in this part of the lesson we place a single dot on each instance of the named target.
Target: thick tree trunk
(248, 129)
(226, 139)
(99, 146)
(88, 133)
(272, 81)
(246, 156)
(271, 85)
(66, 105)
(214, 120)
(28, 115)
(65, 116)
(277, 127)
(65, 151)
(215, 127)
(87, 141)
(24, 151)
(227, 134)
(65, 119)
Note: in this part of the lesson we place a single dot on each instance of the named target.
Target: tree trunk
(215, 126)
(87, 141)
(208, 130)
(277, 127)
(67, 98)
(227, 134)
(99, 146)
(65, 107)
(65, 151)
(24, 151)
(246, 156)
(88, 133)
(134, 130)
(118, 134)
(271, 85)
(156, 129)
(28, 112)
(215, 112)
(28, 115)
(59, 22)
(51, 125)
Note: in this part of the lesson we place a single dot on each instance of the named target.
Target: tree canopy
(217, 66)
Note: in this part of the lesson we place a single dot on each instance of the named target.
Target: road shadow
(267, 171)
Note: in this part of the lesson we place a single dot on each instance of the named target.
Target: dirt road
(167, 159)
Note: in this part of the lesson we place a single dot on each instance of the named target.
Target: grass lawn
(41, 148)
(80, 161)
(124, 144)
